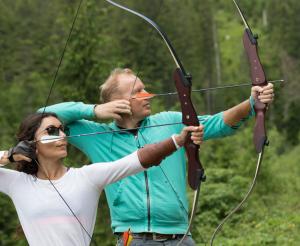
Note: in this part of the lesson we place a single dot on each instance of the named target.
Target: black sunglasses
(54, 131)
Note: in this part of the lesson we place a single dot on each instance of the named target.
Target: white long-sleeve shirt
(45, 218)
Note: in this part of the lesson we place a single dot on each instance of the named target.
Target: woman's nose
(62, 133)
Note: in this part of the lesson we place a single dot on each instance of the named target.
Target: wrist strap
(10, 155)
(252, 103)
(174, 141)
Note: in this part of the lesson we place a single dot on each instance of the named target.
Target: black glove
(26, 148)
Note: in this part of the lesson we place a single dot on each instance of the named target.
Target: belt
(154, 236)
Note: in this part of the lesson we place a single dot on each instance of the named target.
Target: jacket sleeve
(75, 115)
(69, 112)
(214, 125)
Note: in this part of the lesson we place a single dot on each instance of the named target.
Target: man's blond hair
(111, 84)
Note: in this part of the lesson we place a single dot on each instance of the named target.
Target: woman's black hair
(27, 131)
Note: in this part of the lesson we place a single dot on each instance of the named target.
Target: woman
(57, 205)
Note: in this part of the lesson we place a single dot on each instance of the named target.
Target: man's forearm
(71, 111)
(234, 115)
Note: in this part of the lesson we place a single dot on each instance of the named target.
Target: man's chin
(145, 114)
(148, 112)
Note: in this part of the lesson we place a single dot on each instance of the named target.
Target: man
(152, 205)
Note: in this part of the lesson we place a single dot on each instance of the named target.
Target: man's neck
(128, 123)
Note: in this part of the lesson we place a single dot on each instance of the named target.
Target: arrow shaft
(218, 88)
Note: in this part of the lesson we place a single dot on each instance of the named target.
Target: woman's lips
(62, 145)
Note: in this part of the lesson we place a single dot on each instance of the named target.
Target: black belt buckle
(162, 237)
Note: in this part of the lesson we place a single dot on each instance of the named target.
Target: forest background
(207, 35)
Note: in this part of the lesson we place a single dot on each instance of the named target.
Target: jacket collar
(113, 126)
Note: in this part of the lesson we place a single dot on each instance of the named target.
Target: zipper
(147, 187)
(148, 198)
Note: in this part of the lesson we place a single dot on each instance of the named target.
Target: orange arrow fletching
(144, 95)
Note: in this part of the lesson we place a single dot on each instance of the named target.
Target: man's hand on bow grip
(112, 110)
(197, 133)
(264, 94)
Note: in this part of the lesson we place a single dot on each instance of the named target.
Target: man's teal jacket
(154, 200)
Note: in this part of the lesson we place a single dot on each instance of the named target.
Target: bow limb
(259, 135)
(158, 29)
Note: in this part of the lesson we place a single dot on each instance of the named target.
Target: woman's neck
(51, 169)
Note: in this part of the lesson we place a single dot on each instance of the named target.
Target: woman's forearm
(153, 154)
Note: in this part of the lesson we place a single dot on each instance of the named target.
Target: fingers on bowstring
(117, 116)
(123, 111)
(27, 159)
(123, 102)
(20, 157)
(123, 108)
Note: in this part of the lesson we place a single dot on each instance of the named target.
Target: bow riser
(259, 136)
(183, 86)
(257, 72)
(189, 118)
(258, 79)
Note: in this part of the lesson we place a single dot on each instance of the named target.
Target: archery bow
(258, 78)
(183, 83)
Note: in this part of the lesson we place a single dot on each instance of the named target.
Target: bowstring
(46, 104)
(63, 199)
(150, 37)
(177, 195)
(169, 181)
(62, 55)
